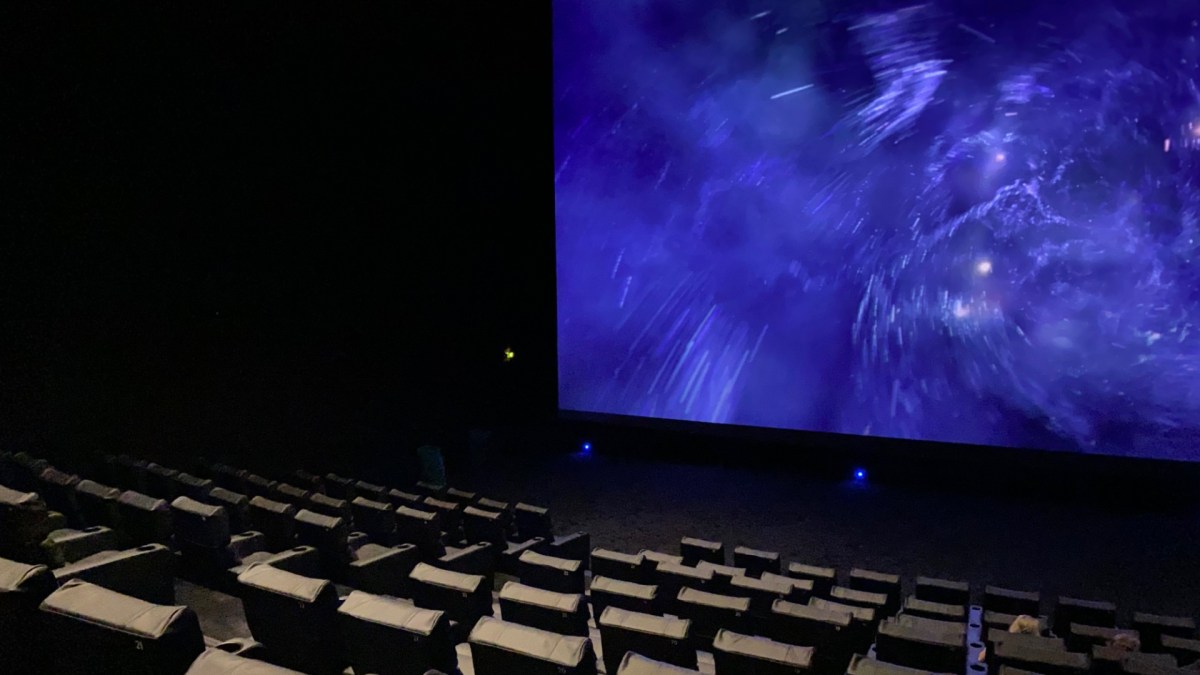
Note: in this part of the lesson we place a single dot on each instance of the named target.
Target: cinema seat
(1113, 660)
(605, 592)
(202, 535)
(463, 597)
(57, 488)
(533, 521)
(660, 638)
(236, 505)
(920, 647)
(22, 589)
(615, 565)
(339, 487)
(461, 496)
(422, 529)
(1185, 650)
(1087, 612)
(228, 477)
(193, 487)
(481, 525)
(763, 592)
(495, 505)
(370, 567)
(25, 522)
(807, 625)
(276, 520)
(1025, 640)
(877, 582)
(693, 551)
(756, 562)
(929, 609)
(97, 503)
(863, 622)
(636, 664)
(1082, 637)
(945, 591)
(25, 469)
(371, 491)
(849, 596)
(219, 662)
(1153, 627)
(258, 486)
(451, 513)
(1000, 622)
(864, 665)
(738, 654)
(144, 519)
(330, 506)
(146, 572)
(294, 617)
(503, 648)
(102, 632)
(656, 557)
(1009, 601)
(388, 636)
(477, 559)
(823, 578)
(401, 498)
(563, 613)
(671, 577)
(573, 546)
(290, 494)
(159, 482)
(711, 612)
(551, 573)
(129, 473)
(723, 575)
(63, 547)
(378, 520)
(1020, 654)
(307, 480)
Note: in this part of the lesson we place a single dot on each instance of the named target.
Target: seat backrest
(290, 494)
(533, 521)
(199, 525)
(482, 525)
(386, 635)
(97, 503)
(563, 613)
(738, 654)
(464, 597)
(218, 662)
(502, 647)
(24, 523)
(329, 506)
(551, 573)
(863, 665)
(293, 616)
(375, 518)
(756, 561)
(946, 591)
(422, 529)
(58, 489)
(22, 589)
(193, 486)
(101, 631)
(145, 572)
(377, 493)
(144, 519)
(695, 551)
(1087, 612)
(920, 646)
(338, 487)
(642, 598)
(327, 535)
(636, 664)
(1010, 601)
(617, 565)
(160, 482)
(657, 637)
(259, 486)
(276, 520)
(237, 507)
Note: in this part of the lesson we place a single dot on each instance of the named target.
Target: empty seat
(193, 487)
(229, 478)
(564, 613)
(451, 515)
(398, 497)
(827, 630)
(330, 506)
(276, 520)
(755, 561)
(480, 525)
(574, 546)
(764, 591)
(670, 577)
(290, 494)
(474, 559)
(710, 612)
(258, 486)
(422, 529)
(920, 647)
(863, 622)
(97, 503)
(1082, 637)
(723, 575)
(100, 631)
(849, 596)
(642, 598)
(371, 491)
(551, 573)
(329, 536)
(636, 664)
(738, 654)
(864, 665)
(219, 662)
(1185, 650)
(63, 547)
(129, 473)
(533, 521)
(160, 482)
(377, 520)
(933, 625)
(695, 550)
(461, 496)
(24, 470)
(877, 582)
(494, 505)
(823, 578)
(144, 519)
(624, 566)
(339, 488)
(933, 610)
(944, 591)
(1152, 627)
(1020, 654)
(393, 637)
(236, 505)
(294, 617)
(57, 488)
(22, 589)
(203, 536)
(656, 557)
(307, 480)
(464, 597)
(1088, 612)
(146, 572)
(371, 567)
(504, 648)
(660, 638)
(25, 521)
(1009, 601)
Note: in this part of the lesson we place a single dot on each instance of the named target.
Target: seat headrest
(467, 583)
(91, 487)
(365, 503)
(617, 556)
(535, 558)
(763, 648)
(564, 650)
(679, 569)
(561, 602)
(272, 506)
(161, 470)
(391, 612)
(318, 520)
(636, 664)
(10, 498)
(229, 497)
(193, 481)
(811, 613)
(142, 502)
(481, 513)
(55, 477)
(651, 624)
(417, 514)
(620, 587)
(266, 578)
(17, 577)
(531, 509)
(117, 611)
(697, 597)
(218, 662)
(326, 500)
(192, 507)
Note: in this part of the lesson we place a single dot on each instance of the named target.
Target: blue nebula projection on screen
(957, 221)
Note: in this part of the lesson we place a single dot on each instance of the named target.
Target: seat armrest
(63, 547)
(302, 560)
(575, 546)
(357, 540)
(246, 543)
(245, 647)
(383, 572)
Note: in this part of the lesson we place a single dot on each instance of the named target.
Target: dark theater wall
(263, 232)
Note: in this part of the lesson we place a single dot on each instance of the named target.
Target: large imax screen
(961, 221)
